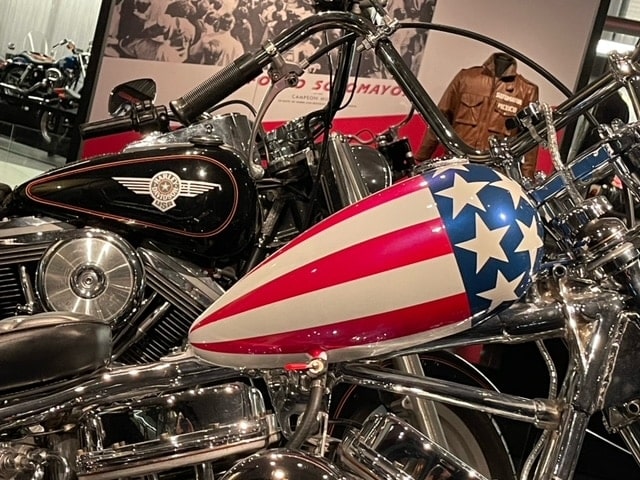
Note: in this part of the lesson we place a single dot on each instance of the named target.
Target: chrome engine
(385, 448)
(165, 418)
(148, 298)
(174, 431)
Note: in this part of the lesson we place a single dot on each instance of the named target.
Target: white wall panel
(52, 19)
(553, 34)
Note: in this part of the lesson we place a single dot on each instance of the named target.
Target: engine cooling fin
(176, 293)
(11, 294)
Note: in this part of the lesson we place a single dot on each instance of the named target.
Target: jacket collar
(489, 67)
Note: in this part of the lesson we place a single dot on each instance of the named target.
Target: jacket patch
(508, 98)
(506, 108)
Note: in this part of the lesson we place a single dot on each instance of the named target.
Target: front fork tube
(424, 410)
(593, 349)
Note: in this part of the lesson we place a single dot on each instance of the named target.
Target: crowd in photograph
(215, 32)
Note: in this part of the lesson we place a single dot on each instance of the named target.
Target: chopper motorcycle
(60, 106)
(349, 360)
(130, 272)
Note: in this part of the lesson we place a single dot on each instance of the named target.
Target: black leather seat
(50, 346)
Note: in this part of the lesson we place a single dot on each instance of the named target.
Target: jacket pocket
(469, 110)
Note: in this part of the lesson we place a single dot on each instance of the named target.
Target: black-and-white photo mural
(215, 32)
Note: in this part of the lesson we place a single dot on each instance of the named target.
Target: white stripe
(358, 352)
(411, 209)
(191, 188)
(133, 180)
(391, 290)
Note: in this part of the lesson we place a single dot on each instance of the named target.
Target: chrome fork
(593, 348)
(427, 420)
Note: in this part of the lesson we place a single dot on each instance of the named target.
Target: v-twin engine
(147, 297)
(164, 418)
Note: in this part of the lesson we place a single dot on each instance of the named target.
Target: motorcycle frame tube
(631, 436)
(592, 361)
(521, 323)
(425, 410)
(540, 412)
(591, 366)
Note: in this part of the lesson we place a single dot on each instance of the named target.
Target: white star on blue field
(494, 230)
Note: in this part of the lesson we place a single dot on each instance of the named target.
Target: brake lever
(283, 75)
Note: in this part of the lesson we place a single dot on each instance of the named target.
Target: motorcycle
(50, 87)
(30, 72)
(306, 369)
(146, 239)
(59, 108)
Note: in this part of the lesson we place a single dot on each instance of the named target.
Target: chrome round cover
(284, 465)
(389, 448)
(92, 272)
(374, 168)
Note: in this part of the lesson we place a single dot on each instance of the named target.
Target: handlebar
(109, 126)
(248, 66)
(143, 117)
(244, 69)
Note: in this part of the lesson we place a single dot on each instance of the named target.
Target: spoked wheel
(473, 437)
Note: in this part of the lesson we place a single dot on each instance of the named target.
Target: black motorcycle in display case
(45, 90)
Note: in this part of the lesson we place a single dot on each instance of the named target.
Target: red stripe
(362, 331)
(393, 250)
(395, 191)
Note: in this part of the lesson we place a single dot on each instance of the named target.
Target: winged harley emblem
(165, 187)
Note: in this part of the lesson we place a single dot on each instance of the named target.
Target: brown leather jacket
(477, 102)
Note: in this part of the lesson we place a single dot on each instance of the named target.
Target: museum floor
(20, 162)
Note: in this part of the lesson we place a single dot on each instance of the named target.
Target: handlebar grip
(244, 69)
(106, 127)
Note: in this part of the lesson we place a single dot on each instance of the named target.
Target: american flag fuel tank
(427, 257)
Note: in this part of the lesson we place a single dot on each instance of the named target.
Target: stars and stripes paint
(420, 260)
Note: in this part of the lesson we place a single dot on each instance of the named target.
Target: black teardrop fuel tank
(198, 199)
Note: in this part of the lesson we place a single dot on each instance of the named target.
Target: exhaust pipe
(24, 92)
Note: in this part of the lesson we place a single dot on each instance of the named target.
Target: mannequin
(478, 102)
(502, 61)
